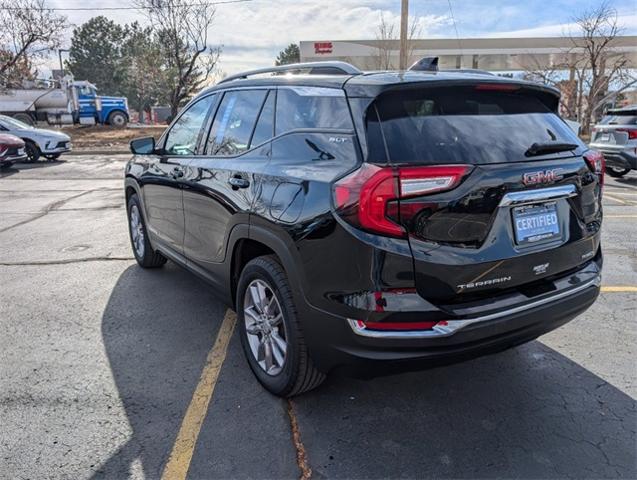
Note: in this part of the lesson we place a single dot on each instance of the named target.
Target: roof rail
(326, 68)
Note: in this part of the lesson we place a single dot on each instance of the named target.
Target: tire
(117, 119)
(24, 118)
(296, 373)
(53, 156)
(617, 172)
(32, 150)
(144, 254)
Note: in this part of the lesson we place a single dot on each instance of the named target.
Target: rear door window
(462, 125)
(311, 107)
(234, 122)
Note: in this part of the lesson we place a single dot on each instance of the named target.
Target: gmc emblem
(543, 176)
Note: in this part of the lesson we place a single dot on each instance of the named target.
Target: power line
(455, 27)
(77, 9)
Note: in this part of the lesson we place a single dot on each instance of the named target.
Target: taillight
(367, 197)
(632, 132)
(596, 163)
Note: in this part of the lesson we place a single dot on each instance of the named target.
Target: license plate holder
(536, 223)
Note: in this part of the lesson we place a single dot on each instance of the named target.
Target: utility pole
(404, 16)
(60, 50)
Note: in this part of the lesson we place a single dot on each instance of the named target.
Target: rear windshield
(460, 125)
(620, 118)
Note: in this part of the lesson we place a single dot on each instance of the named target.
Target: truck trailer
(64, 102)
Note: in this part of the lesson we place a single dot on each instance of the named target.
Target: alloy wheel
(265, 327)
(137, 231)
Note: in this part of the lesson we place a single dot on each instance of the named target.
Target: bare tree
(601, 66)
(387, 42)
(29, 32)
(385, 39)
(183, 28)
(592, 62)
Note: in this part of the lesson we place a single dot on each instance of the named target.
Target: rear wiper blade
(549, 147)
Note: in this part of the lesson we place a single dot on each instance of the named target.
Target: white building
(494, 54)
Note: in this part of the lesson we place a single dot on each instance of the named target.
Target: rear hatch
(617, 129)
(496, 191)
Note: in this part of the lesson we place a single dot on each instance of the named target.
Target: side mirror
(143, 146)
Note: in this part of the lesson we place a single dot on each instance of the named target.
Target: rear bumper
(372, 355)
(620, 158)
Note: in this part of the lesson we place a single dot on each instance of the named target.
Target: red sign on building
(322, 48)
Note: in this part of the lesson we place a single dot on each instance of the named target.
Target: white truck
(63, 102)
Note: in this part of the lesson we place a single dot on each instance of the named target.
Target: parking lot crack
(49, 208)
(65, 261)
(301, 454)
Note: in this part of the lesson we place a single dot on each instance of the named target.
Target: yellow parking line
(179, 461)
(630, 194)
(619, 289)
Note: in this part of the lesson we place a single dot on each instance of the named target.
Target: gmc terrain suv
(373, 222)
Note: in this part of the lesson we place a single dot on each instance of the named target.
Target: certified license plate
(535, 223)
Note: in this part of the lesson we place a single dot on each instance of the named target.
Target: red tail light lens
(632, 132)
(397, 326)
(363, 197)
(596, 163)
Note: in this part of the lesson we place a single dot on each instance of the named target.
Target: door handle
(238, 182)
(177, 172)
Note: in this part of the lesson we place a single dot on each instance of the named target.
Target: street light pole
(404, 15)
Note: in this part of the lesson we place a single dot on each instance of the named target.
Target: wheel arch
(249, 242)
(132, 187)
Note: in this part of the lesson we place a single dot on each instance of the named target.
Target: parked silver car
(616, 137)
(38, 141)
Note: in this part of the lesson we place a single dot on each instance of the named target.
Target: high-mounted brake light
(596, 163)
(367, 197)
(497, 87)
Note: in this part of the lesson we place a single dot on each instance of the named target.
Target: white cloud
(269, 28)
(558, 30)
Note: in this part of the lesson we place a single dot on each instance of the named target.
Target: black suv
(373, 222)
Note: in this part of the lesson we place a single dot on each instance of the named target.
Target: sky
(252, 33)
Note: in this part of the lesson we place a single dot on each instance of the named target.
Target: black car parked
(373, 222)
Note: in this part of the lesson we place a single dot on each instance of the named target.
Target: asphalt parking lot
(106, 369)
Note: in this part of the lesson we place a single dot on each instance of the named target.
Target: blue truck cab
(93, 108)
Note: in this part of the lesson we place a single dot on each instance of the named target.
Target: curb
(98, 152)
